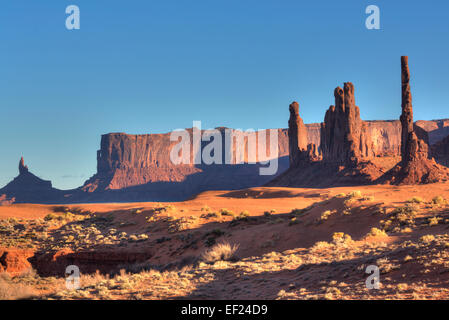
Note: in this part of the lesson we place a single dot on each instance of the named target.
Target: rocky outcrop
(23, 169)
(415, 165)
(15, 261)
(5, 201)
(300, 152)
(344, 136)
(345, 147)
(27, 187)
(102, 260)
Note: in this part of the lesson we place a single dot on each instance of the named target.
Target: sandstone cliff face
(436, 130)
(440, 151)
(140, 165)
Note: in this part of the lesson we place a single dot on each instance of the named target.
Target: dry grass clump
(400, 217)
(326, 214)
(355, 194)
(167, 209)
(10, 290)
(415, 200)
(438, 200)
(220, 252)
(181, 224)
(244, 215)
(428, 238)
(226, 212)
(341, 238)
(374, 232)
(293, 221)
(206, 208)
(433, 221)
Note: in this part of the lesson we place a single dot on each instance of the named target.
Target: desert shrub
(242, 216)
(438, 200)
(210, 215)
(341, 238)
(340, 195)
(415, 200)
(220, 252)
(293, 221)
(50, 216)
(402, 286)
(409, 211)
(406, 230)
(427, 238)
(160, 208)
(355, 194)
(181, 224)
(320, 245)
(142, 237)
(206, 208)
(433, 221)
(244, 213)
(374, 232)
(325, 215)
(226, 212)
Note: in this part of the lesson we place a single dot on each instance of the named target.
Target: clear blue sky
(154, 66)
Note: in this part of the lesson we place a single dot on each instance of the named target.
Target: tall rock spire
(415, 166)
(22, 167)
(297, 134)
(407, 108)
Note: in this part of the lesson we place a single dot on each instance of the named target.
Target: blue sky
(154, 66)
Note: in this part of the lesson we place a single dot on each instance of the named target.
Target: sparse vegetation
(325, 215)
(439, 200)
(226, 212)
(375, 232)
(13, 290)
(415, 200)
(355, 194)
(220, 252)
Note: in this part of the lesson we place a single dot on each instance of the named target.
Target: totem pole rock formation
(415, 166)
(412, 148)
(344, 137)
